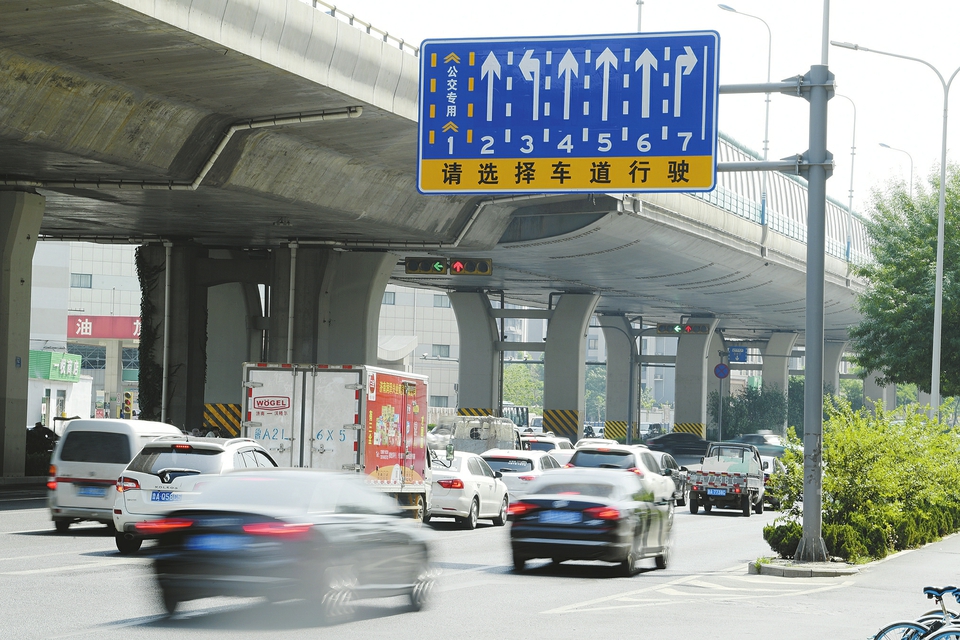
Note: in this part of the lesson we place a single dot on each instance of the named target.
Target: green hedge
(887, 484)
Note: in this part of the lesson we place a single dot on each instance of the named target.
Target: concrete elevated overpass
(248, 144)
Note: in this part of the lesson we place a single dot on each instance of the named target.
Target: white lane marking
(71, 567)
(571, 607)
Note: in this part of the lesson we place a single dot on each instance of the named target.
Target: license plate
(560, 517)
(165, 496)
(92, 492)
(716, 492)
(215, 542)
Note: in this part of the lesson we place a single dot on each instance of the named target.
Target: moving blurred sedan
(290, 533)
(519, 468)
(591, 514)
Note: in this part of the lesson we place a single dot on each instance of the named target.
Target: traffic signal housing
(681, 328)
(425, 266)
(127, 408)
(471, 266)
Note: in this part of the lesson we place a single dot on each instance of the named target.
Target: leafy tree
(749, 411)
(595, 393)
(907, 394)
(894, 337)
(523, 385)
(852, 391)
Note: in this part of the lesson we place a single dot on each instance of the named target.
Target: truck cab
(730, 475)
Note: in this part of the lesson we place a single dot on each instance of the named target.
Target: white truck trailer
(345, 418)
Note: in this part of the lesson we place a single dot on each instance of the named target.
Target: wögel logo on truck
(271, 403)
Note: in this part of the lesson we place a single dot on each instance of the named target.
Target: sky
(897, 102)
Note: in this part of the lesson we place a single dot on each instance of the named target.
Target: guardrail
(352, 20)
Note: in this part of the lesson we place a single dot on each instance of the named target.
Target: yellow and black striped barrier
(222, 417)
(691, 427)
(468, 411)
(563, 422)
(615, 430)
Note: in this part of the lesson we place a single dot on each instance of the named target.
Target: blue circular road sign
(721, 370)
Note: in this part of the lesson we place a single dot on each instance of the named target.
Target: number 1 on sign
(450, 145)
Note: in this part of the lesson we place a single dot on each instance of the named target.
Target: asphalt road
(77, 586)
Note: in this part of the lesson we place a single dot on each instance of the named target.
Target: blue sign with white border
(737, 354)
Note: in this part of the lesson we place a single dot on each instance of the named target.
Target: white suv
(165, 473)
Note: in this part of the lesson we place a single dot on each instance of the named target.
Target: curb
(812, 570)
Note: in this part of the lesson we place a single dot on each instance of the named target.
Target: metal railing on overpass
(349, 18)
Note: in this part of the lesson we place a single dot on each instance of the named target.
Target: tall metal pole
(941, 211)
(853, 153)
(639, 11)
(812, 547)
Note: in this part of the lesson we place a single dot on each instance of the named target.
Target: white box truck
(344, 417)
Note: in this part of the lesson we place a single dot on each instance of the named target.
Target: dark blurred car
(768, 444)
(591, 514)
(290, 533)
(41, 439)
(686, 448)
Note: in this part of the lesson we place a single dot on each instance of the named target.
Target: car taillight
(127, 484)
(521, 508)
(602, 513)
(52, 481)
(569, 465)
(164, 525)
(182, 447)
(636, 471)
(277, 529)
(736, 488)
(455, 483)
(527, 478)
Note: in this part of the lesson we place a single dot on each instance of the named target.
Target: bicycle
(930, 625)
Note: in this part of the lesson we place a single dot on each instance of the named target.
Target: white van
(89, 458)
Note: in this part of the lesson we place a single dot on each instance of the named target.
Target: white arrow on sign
(530, 67)
(490, 68)
(568, 66)
(607, 59)
(648, 61)
(685, 62)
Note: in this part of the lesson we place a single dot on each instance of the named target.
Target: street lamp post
(766, 119)
(938, 295)
(639, 11)
(886, 146)
(853, 153)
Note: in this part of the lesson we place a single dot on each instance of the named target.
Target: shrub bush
(886, 484)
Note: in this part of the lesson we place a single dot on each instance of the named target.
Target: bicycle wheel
(949, 632)
(902, 630)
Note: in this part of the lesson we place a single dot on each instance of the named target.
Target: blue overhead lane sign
(629, 112)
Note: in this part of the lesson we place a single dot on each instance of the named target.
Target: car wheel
(707, 507)
(745, 505)
(127, 545)
(694, 504)
(519, 562)
(420, 508)
(170, 600)
(62, 526)
(628, 566)
(663, 558)
(470, 522)
(682, 500)
(422, 590)
(758, 508)
(501, 518)
(337, 598)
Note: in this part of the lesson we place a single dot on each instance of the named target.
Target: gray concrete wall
(227, 342)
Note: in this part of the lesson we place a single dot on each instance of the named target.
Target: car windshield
(728, 454)
(509, 465)
(153, 460)
(96, 446)
(596, 490)
(602, 459)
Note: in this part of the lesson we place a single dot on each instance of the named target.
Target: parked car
(544, 442)
(591, 514)
(467, 489)
(519, 468)
(768, 444)
(290, 533)
(637, 458)
(686, 448)
(771, 467)
(677, 473)
(85, 465)
(165, 473)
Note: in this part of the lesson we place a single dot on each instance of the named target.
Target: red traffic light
(471, 266)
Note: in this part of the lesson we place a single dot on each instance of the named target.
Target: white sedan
(467, 489)
(519, 468)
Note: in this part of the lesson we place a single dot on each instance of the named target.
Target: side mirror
(497, 474)
(684, 469)
(668, 471)
(450, 452)
(766, 465)
(701, 459)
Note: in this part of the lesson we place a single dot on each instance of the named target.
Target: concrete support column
(349, 312)
(113, 377)
(621, 345)
(564, 372)
(691, 378)
(188, 338)
(478, 381)
(874, 395)
(309, 267)
(20, 216)
(832, 355)
(776, 364)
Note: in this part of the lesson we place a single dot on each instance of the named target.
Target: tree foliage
(523, 385)
(749, 411)
(895, 335)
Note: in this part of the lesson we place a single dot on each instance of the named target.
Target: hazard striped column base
(691, 427)
(470, 411)
(615, 430)
(563, 422)
(224, 418)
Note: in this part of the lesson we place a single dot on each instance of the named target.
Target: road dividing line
(570, 607)
(72, 567)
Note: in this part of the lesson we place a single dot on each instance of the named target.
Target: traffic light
(127, 408)
(425, 266)
(471, 266)
(679, 329)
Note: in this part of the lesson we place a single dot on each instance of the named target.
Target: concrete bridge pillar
(20, 217)
(776, 364)
(187, 362)
(621, 356)
(564, 372)
(874, 395)
(308, 266)
(691, 378)
(479, 360)
(832, 356)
